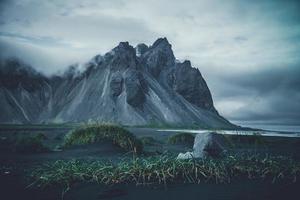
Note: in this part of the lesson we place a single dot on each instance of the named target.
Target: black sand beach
(14, 165)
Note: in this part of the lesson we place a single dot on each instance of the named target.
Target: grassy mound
(182, 138)
(30, 144)
(166, 169)
(104, 132)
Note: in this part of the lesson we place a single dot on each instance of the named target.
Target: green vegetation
(182, 138)
(147, 140)
(104, 132)
(167, 169)
(30, 144)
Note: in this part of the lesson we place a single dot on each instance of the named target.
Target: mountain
(144, 85)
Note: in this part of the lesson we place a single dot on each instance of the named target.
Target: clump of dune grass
(182, 138)
(166, 169)
(30, 144)
(104, 132)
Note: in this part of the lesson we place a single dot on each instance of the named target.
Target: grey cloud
(275, 108)
(35, 40)
(285, 79)
(240, 39)
(248, 51)
(271, 94)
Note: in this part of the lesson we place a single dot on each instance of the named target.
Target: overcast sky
(247, 51)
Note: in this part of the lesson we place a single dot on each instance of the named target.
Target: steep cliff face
(131, 86)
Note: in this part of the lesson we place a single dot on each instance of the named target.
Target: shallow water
(238, 132)
(271, 127)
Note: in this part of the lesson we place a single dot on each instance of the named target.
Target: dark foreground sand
(238, 191)
(13, 186)
(246, 190)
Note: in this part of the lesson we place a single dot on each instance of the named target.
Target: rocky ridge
(144, 85)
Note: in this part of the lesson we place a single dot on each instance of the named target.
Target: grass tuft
(167, 169)
(104, 132)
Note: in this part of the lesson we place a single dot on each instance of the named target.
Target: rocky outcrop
(122, 57)
(130, 86)
(189, 83)
(209, 144)
(136, 88)
(158, 57)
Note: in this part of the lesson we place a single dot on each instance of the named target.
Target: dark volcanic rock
(189, 83)
(135, 88)
(158, 57)
(122, 57)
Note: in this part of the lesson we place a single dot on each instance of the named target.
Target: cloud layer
(248, 51)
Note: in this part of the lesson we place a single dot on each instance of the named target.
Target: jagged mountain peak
(131, 86)
(122, 56)
(158, 57)
(123, 47)
(162, 45)
(186, 63)
(161, 42)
